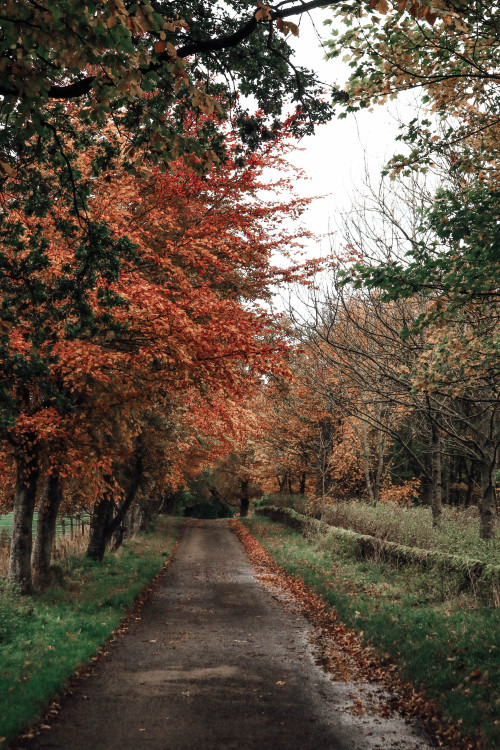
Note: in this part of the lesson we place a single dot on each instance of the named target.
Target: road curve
(216, 662)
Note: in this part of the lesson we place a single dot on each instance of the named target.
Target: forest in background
(139, 348)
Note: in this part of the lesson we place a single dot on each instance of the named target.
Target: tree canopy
(146, 65)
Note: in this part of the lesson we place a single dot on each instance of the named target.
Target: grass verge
(447, 646)
(44, 638)
(393, 522)
(457, 571)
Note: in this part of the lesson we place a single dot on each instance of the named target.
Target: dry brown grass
(66, 547)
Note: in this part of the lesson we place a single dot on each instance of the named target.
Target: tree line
(396, 388)
(136, 255)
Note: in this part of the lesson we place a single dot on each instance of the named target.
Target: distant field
(63, 526)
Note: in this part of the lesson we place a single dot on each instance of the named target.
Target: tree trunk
(168, 504)
(104, 522)
(46, 531)
(372, 499)
(22, 522)
(488, 505)
(325, 445)
(244, 497)
(282, 482)
(381, 463)
(119, 536)
(146, 507)
(470, 486)
(102, 515)
(302, 486)
(436, 501)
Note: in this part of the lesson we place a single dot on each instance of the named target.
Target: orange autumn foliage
(189, 335)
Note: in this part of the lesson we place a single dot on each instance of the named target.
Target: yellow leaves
(422, 10)
(131, 84)
(6, 170)
(203, 101)
(118, 14)
(180, 77)
(381, 5)
(175, 25)
(111, 21)
(117, 6)
(171, 50)
(210, 158)
(287, 27)
(263, 13)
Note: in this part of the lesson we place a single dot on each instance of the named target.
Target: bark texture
(102, 515)
(46, 531)
(22, 523)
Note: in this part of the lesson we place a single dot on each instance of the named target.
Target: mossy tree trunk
(46, 531)
(27, 471)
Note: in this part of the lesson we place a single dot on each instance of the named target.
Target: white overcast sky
(334, 158)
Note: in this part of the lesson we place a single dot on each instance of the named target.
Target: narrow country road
(216, 662)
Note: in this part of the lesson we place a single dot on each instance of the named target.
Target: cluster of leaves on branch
(147, 65)
(448, 51)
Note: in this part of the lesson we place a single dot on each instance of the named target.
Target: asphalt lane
(216, 662)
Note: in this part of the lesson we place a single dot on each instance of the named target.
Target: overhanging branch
(200, 46)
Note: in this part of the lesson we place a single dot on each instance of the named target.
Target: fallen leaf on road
(343, 654)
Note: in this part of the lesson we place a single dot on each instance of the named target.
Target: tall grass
(411, 526)
(458, 533)
(65, 549)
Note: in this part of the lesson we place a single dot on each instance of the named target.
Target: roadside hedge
(476, 575)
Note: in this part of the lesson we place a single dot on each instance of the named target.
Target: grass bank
(393, 522)
(444, 643)
(44, 638)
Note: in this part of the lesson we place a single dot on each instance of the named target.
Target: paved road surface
(216, 662)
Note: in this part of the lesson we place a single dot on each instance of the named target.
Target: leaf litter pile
(341, 653)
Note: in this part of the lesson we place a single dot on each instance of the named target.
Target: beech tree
(91, 355)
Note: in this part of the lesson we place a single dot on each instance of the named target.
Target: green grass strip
(467, 573)
(44, 638)
(445, 644)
